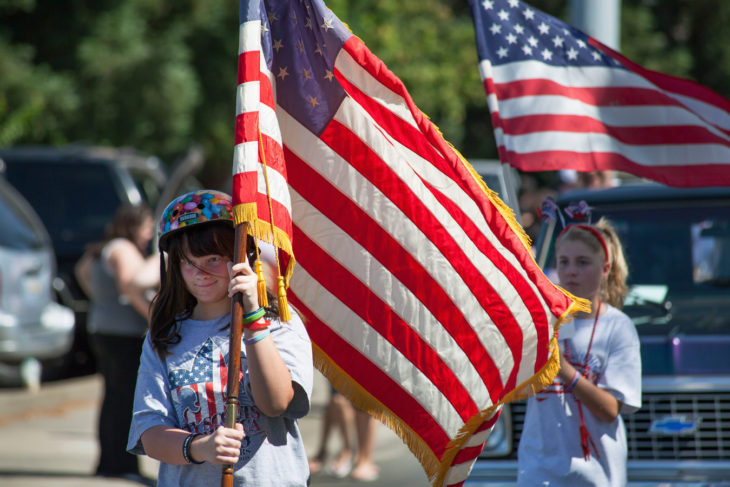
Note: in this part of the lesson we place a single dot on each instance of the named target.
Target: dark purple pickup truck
(678, 246)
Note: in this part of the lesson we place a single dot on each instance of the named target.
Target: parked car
(677, 243)
(34, 328)
(76, 190)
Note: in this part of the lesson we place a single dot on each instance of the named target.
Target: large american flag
(422, 299)
(560, 99)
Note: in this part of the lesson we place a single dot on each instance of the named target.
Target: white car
(34, 328)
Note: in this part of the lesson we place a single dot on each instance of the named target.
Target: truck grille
(518, 410)
(705, 431)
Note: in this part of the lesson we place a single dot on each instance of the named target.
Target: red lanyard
(590, 343)
(585, 436)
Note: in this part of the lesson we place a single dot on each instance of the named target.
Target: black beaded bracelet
(186, 448)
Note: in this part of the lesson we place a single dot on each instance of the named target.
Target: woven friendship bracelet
(254, 316)
(186, 448)
(257, 338)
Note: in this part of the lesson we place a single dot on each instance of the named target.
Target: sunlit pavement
(49, 439)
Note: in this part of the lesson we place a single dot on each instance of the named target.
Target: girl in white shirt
(573, 433)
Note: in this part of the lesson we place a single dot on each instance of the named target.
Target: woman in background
(117, 274)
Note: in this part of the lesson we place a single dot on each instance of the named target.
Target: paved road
(47, 439)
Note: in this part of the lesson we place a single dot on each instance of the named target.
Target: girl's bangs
(210, 239)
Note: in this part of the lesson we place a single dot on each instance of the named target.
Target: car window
(20, 230)
(677, 254)
(74, 200)
(685, 249)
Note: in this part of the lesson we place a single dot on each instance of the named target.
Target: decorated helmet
(191, 209)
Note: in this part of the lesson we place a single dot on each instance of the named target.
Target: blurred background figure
(337, 417)
(340, 416)
(570, 179)
(120, 278)
(364, 469)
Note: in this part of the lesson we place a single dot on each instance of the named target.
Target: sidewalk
(49, 439)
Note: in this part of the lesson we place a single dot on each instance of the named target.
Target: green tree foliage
(685, 38)
(160, 75)
(152, 74)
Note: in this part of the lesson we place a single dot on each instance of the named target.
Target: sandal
(340, 467)
(365, 473)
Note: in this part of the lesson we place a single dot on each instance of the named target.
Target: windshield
(75, 200)
(679, 275)
(677, 258)
(21, 229)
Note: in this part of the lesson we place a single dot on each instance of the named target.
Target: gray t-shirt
(187, 390)
(109, 313)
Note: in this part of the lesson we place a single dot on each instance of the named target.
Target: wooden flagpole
(234, 349)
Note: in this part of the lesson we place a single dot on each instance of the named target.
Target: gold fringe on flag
(245, 212)
(262, 230)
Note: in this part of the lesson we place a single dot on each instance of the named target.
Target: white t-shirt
(187, 390)
(550, 450)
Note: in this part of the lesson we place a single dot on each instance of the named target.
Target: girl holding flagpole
(180, 398)
(573, 432)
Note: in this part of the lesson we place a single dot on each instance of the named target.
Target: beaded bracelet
(257, 338)
(254, 316)
(186, 448)
(574, 381)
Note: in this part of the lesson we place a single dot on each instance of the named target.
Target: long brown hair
(126, 223)
(174, 303)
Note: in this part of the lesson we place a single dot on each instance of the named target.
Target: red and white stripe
(255, 110)
(598, 117)
(412, 281)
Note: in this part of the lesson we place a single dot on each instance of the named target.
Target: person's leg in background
(365, 468)
(343, 416)
(337, 418)
(118, 359)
